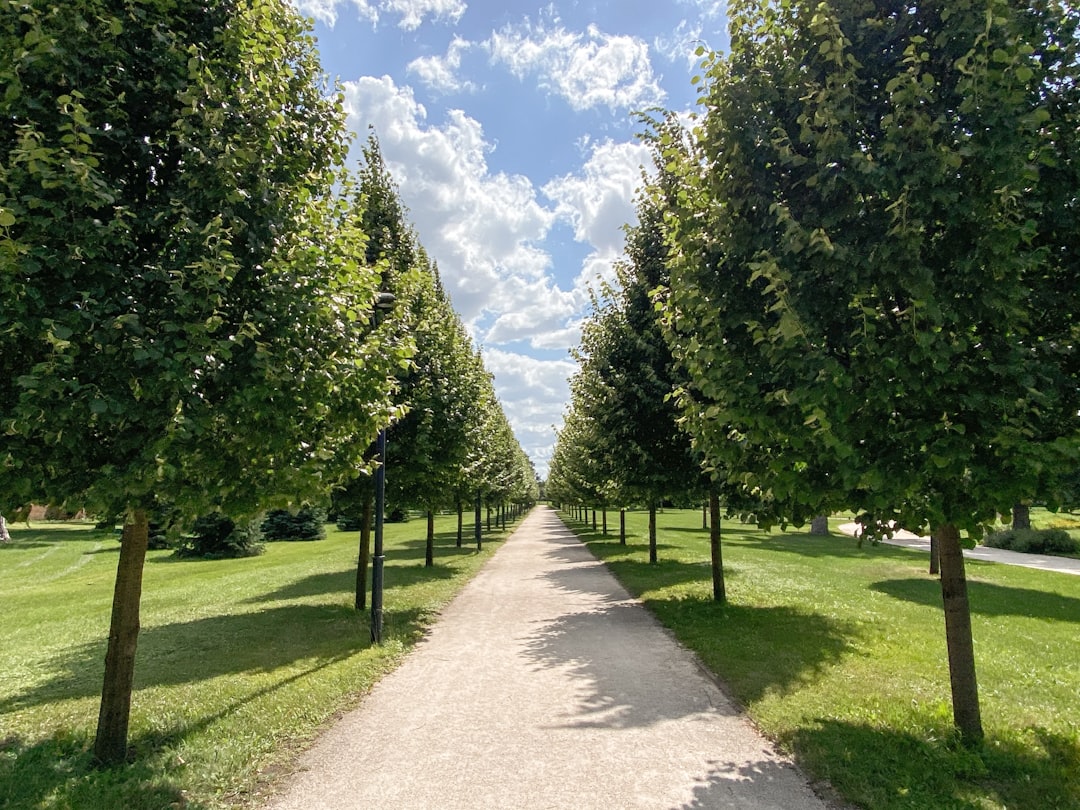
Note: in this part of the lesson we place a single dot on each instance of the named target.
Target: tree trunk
(605, 521)
(460, 518)
(489, 518)
(652, 532)
(1021, 516)
(110, 744)
(965, 690)
(429, 549)
(622, 527)
(718, 587)
(820, 526)
(364, 555)
(594, 519)
(935, 554)
(705, 513)
(478, 527)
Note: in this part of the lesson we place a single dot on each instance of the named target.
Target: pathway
(545, 685)
(1043, 562)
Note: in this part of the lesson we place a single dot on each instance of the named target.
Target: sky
(509, 129)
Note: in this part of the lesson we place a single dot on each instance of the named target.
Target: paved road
(1043, 562)
(544, 685)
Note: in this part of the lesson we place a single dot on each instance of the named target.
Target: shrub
(349, 523)
(1034, 541)
(216, 536)
(307, 524)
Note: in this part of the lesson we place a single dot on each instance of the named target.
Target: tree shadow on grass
(889, 770)
(988, 599)
(59, 772)
(61, 767)
(198, 650)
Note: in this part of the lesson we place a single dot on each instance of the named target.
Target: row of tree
(866, 273)
(189, 275)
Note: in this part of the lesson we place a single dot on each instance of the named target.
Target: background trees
(183, 311)
(860, 248)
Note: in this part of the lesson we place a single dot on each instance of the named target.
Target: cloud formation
(590, 69)
(410, 13)
(486, 230)
(440, 73)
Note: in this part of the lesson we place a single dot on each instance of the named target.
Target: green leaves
(851, 255)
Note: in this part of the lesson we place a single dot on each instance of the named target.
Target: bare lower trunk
(935, 554)
(460, 519)
(652, 533)
(477, 527)
(110, 744)
(622, 526)
(718, 587)
(965, 690)
(820, 525)
(1021, 516)
(705, 515)
(605, 521)
(429, 552)
(363, 558)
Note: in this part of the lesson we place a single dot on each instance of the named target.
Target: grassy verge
(239, 664)
(838, 653)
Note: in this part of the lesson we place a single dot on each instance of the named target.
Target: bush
(349, 523)
(307, 524)
(398, 515)
(216, 536)
(1034, 541)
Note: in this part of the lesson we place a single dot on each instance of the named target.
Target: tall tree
(858, 250)
(623, 390)
(181, 297)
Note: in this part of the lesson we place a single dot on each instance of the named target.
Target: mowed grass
(240, 662)
(838, 653)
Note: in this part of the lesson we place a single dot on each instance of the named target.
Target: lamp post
(383, 304)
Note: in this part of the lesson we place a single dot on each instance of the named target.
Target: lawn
(240, 662)
(838, 654)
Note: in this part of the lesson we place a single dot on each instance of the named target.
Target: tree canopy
(864, 244)
(184, 307)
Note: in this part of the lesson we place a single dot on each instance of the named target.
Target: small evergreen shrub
(1033, 541)
(216, 536)
(307, 524)
(349, 523)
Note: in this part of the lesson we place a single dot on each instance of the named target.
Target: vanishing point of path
(545, 685)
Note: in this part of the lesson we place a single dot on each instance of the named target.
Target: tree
(623, 390)
(183, 310)
(862, 238)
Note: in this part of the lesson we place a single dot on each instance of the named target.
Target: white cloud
(325, 11)
(600, 201)
(484, 228)
(588, 70)
(411, 13)
(681, 44)
(534, 393)
(441, 72)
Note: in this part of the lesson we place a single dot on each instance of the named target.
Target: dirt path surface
(545, 685)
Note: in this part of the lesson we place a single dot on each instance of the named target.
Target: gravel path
(545, 685)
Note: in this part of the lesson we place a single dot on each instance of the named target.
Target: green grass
(240, 662)
(838, 653)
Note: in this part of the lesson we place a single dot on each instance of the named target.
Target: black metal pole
(377, 558)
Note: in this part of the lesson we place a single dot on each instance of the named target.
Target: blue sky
(508, 127)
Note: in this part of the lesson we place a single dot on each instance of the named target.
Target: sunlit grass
(239, 662)
(838, 653)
